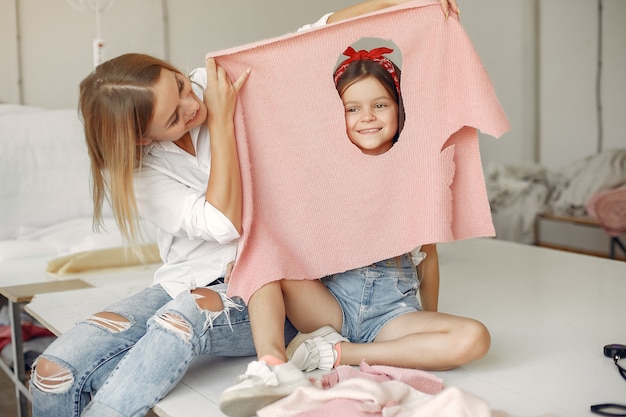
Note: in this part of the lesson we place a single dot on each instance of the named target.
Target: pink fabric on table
(313, 203)
(608, 207)
(420, 380)
(360, 397)
(353, 397)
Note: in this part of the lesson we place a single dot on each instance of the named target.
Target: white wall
(568, 117)
(504, 36)
(219, 25)
(55, 39)
(55, 43)
(56, 46)
(540, 54)
(568, 63)
(9, 86)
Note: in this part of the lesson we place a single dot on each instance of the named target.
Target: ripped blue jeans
(125, 371)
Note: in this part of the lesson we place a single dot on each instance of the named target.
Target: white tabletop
(549, 313)
(24, 271)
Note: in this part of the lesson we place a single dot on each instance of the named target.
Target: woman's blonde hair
(116, 104)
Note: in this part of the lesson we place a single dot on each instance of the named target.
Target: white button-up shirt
(196, 241)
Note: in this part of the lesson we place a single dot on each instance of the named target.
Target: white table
(20, 279)
(549, 313)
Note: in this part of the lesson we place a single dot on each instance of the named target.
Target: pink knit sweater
(313, 203)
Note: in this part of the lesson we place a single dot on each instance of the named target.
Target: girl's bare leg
(266, 309)
(271, 377)
(420, 340)
(310, 305)
(423, 340)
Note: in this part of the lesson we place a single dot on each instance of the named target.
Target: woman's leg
(78, 363)
(191, 324)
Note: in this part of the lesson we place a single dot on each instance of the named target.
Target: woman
(148, 139)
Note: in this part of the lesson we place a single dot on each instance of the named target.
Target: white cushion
(44, 168)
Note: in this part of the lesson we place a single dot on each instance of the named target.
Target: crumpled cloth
(420, 380)
(582, 178)
(517, 194)
(379, 390)
(360, 397)
(29, 331)
(314, 204)
(608, 208)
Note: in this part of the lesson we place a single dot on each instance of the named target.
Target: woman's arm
(375, 5)
(428, 273)
(220, 97)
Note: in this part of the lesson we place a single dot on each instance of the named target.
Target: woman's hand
(375, 5)
(447, 5)
(220, 94)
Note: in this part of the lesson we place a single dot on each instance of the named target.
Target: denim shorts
(373, 295)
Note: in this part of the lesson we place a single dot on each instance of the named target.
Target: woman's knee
(208, 299)
(110, 321)
(51, 377)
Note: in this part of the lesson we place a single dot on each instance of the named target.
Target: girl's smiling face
(177, 109)
(371, 116)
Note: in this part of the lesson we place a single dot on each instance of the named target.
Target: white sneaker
(310, 351)
(261, 385)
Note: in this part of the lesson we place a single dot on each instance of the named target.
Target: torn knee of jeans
(228, 304)
(110, 321)
(207, 299)
(176, 323)
(51, 377)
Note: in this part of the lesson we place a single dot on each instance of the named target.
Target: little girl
(376, 303)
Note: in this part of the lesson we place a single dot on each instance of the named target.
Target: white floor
(549, 313)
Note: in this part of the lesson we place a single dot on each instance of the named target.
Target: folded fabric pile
(585, 177)
(518, 193)
(379, 391)
(117, 257)
(35, 338)
(608, 207)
